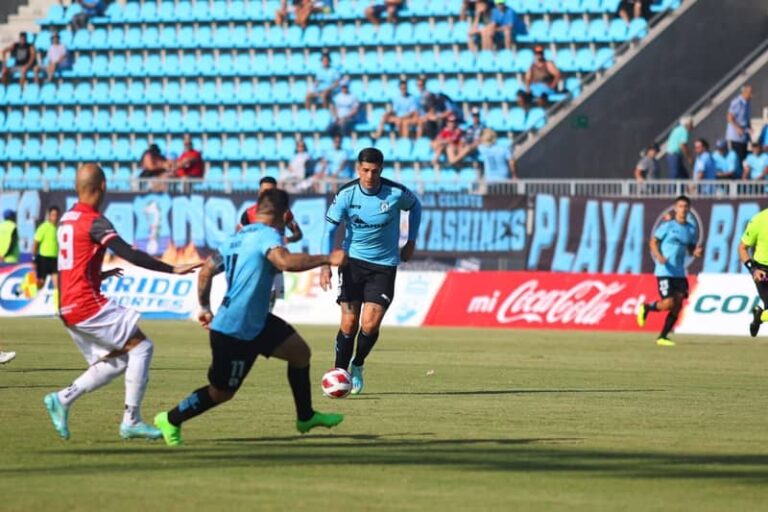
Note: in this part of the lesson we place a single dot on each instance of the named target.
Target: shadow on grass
(31, 386)
(479, 392)
(412, 450)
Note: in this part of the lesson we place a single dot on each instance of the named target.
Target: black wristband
(750, 265)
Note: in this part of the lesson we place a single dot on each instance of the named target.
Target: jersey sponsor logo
(357, 221)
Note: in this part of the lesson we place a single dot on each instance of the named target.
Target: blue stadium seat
(149, 12)
(247, 121)
(559, 31)
(538, 32)
(192, 121)
(102, 121)
(135, 65)
(48, 121)
(536, 119)
(83, 93)
(245, 67)
(151, 37)
(604, 58)
(31, 94)
(212, 149)
(84, 122)
(48, 94)
(167, 13)
(585, 61)
(210, 121)
(579, 31)
(116, 66)
(85, 149)
(65, 95)
(138, 120)
(573, 85)
(50, 174)
(190, 93)
(598, 31)
(14, 178)
(638, 28)
(154, 92)
(231, 149)
(120, 121)
(68, 149)
(81, 67)
(208, 93)
(186, 37)
(55, 15)
(136, 93)
(80, 40)
(665, 5)
(564, 60)
(404, 34)
(32, 151)
(117, 93)
(611, 6)
(617, 31)
(103, 150)
(402, 150)
(15, 121)
(131, 12)
(122, 150)
(523, 60)
(592, 6)
(183, 12)
(133, 38)
(246, 94)
(287, 148)
(515, 120)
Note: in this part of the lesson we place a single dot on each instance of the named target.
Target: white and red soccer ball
(337, 383)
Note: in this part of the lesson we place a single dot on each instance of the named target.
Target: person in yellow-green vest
(753, 253)
(45, 249)
(9, 239)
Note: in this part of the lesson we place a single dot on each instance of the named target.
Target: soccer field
(450, 420)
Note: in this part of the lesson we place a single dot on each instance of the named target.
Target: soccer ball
(337, 383)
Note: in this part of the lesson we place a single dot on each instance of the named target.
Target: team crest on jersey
(384, 206)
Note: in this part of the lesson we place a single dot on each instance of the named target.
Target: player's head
(53, 214)
(266, 183)
(682, 207)
(488, 137)
(91, 184)
(23, 37)
(9, 215)
(721, 146)
(370, 162)
(325, 59)
(652, 150)
(274, 203)
(755, 146)
(188, 142)
(687, 122)
(746, 91)
(404, 87)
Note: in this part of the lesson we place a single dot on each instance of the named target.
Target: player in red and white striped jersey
(106, 333)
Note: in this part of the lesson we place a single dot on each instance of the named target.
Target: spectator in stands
(498, 160)
(678, 152)
(293, 176)
(471, 8)
(501, 29)
(375, 11)
(704, 168)
(325, 83)
(190, 164)
(432, 112)
(474, 130)
(450, 141)
(91, 8)
(756, 164)
(403, 113)
(153, 164)
(9, 239)
(344, 110)
(541, 80)
(335, 163)
(24, 59)
(726, 160)
(634, 9)
(648, 167)
(737, 131)
(301, 9)
(479, 24)
(56, 59)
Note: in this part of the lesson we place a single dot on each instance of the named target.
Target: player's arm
(413, 207)
(295, 229)
(285, 260)
(14, 241)
(333, 218)
(655, 251)
(212, 266)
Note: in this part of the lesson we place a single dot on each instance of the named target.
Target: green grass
(451, 420)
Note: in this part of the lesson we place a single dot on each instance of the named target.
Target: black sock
(195, 404)
(298, 378)
(652, 306)
(345, 344)
(365, 343)
(669, 323)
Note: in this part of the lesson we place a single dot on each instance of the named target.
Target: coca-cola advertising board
(543, 300)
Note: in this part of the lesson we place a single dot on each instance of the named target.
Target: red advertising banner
(543, 300)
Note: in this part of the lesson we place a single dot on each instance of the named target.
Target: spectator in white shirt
(56, 59)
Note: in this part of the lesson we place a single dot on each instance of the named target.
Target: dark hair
(54, 208)
(23, 34)
(703, 142)
(267, 179)
(371, 156)
(683, 198)
(274, 201)
(404, 82)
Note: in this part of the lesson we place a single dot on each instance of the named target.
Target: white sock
(136, 378)
(96, 376)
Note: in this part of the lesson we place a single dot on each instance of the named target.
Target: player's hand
(205, 317)
(759, 275)
(113, 272)
(337, 258)
(186, 269)
(661, 259)
(406, 253)
(698, 252)
(325, 278)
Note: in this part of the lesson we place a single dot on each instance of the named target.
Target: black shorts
(232, 358)
(669, 286)
(44, 267)
(363, 281)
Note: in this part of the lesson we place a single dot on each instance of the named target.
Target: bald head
(90, 184)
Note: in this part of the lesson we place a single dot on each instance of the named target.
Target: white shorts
(104, 332)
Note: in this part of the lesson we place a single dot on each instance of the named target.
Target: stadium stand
(222, 71)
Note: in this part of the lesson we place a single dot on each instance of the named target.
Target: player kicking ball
(755, 240)
(106, 333)
(243, 328)
(670, 243)
(370, 208)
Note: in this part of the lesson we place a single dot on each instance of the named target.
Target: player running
(106, 333)
(670, 243)
(243, 328)
(249, 217)
(755, 239)
(370, 208)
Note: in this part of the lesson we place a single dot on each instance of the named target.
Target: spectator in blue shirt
(91, 8)
(501, 29)
(497, 159)
(705, 167)
(726, 160)
(335, 163)
(344, 111)
(755, 164)
(374, 12)
(403, 113)
(739, 116)
(326, 81)
(678, 152)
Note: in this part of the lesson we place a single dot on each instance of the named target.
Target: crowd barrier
(718, 304)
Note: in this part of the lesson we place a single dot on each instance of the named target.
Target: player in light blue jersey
(243, 327)
(370, 209)
(672, 242)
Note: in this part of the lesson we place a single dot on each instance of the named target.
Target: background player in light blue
(672, 242)
(370, 208)
(243, 328)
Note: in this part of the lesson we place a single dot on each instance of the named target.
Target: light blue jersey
(675, 239)
(249, 275)
(372, 220)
